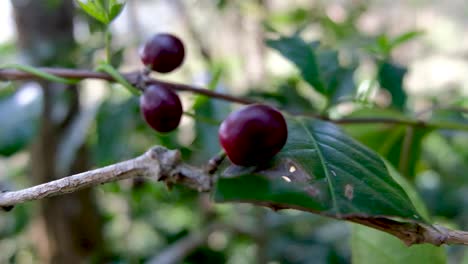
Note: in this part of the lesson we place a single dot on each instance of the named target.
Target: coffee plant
(278, 150)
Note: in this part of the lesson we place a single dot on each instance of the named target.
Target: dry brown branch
(416, 233)
(158, 163)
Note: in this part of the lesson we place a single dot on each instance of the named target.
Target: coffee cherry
(163, 53)
(253, 134)
(161, 107)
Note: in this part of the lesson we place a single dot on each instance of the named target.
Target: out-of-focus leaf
(115, 123)
(405, 37)
(104, 11)
(409, 189)
(390, 77)
(465, 258)
(117, 57)
(19, 115)
(320, 68)
(324, 171)
(290, 17)
(222, 4)
(287, 97)
(373, 246)
(402, 144)
(7, 48)
(384, 45)
(95, 9)
(206, 144)
(16, 221)
(302, 55)
(7, 89)
(341, 85)
(115, 8)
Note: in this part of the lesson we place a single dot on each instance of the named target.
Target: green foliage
(213, 112)
(115, 124)
(373, 246)
(19, 115)
(384, 46)
(105, 11)
(318, 66)
(321, 170)
(390, 77)
(402, 144)
(303, 56)
(376, 247)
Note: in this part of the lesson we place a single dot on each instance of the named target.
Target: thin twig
(135, 78)
(132, 77)
(411, 233)
(158, 163)
(415, 233)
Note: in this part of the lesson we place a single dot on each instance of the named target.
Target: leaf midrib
(322, 162)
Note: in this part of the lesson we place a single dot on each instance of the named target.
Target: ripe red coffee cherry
(253, 134)
(163, 53)
(161, 108)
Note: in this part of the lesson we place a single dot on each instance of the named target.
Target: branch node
(6, 208)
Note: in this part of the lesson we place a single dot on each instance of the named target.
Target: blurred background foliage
(346, 58)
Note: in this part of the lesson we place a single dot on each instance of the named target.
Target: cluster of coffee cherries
(250, 136)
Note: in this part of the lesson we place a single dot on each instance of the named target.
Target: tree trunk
(71, 223)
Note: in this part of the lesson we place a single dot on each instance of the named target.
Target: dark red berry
(163, 53)
(161, 108)
(253, 134)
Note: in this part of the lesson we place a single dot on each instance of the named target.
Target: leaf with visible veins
(322, 170)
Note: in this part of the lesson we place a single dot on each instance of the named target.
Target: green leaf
(410, 191)
(465, 258)
(340, 85)
(95, 9)
(302, 55)
(376, 247)
(114, 126)
(204, 145)
(383, 45)
(19, 116)
(324, 171)
(390, 77)
(293, 17)
(402, 145)
(332, 74)
(319, 67)
(115, 8)
(117, 57)
(105, 11)
(405, 37)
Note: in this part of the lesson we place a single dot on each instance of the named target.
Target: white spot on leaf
(292, 169)
(286, 178)
(349, 191)
(312, 191)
